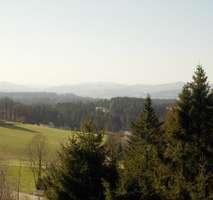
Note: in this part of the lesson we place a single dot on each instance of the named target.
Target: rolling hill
(93, 90)
(110, 90)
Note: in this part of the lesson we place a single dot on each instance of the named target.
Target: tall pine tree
(192, 151)
(140, 176)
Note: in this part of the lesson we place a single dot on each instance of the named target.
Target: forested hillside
(115, 114)
(31, 98)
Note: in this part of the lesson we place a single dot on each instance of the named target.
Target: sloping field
(15, 137)
(14, 140)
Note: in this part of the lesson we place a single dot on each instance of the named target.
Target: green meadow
(14, 140)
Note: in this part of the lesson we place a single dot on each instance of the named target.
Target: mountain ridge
(101, 89)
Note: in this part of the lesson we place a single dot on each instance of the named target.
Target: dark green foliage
(190, 148)
(179, 163)
(147, 127)
(82, 168)
(113, 115)
(142, 168)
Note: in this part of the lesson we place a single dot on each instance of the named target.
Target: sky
(54, 42)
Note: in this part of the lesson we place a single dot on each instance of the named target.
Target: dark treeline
(161, 161)
(114, 115)
(47, 98)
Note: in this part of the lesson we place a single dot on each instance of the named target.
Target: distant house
(102, 109)
(127, 133)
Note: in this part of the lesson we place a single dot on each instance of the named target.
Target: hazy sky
(137, 41)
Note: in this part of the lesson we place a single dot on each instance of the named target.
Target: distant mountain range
(110, 90)
(101, 90)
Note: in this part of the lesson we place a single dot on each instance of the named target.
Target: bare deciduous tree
(5, 190)
(38, 150)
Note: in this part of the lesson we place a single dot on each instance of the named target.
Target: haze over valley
(100, 90)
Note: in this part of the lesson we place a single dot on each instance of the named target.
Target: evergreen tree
(191, 148)
(147, 127)
(141, 174)
(81, 170)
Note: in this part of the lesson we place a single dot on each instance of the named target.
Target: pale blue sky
(137, 41)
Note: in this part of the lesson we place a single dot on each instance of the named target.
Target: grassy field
(14, 139)
(27, 184)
